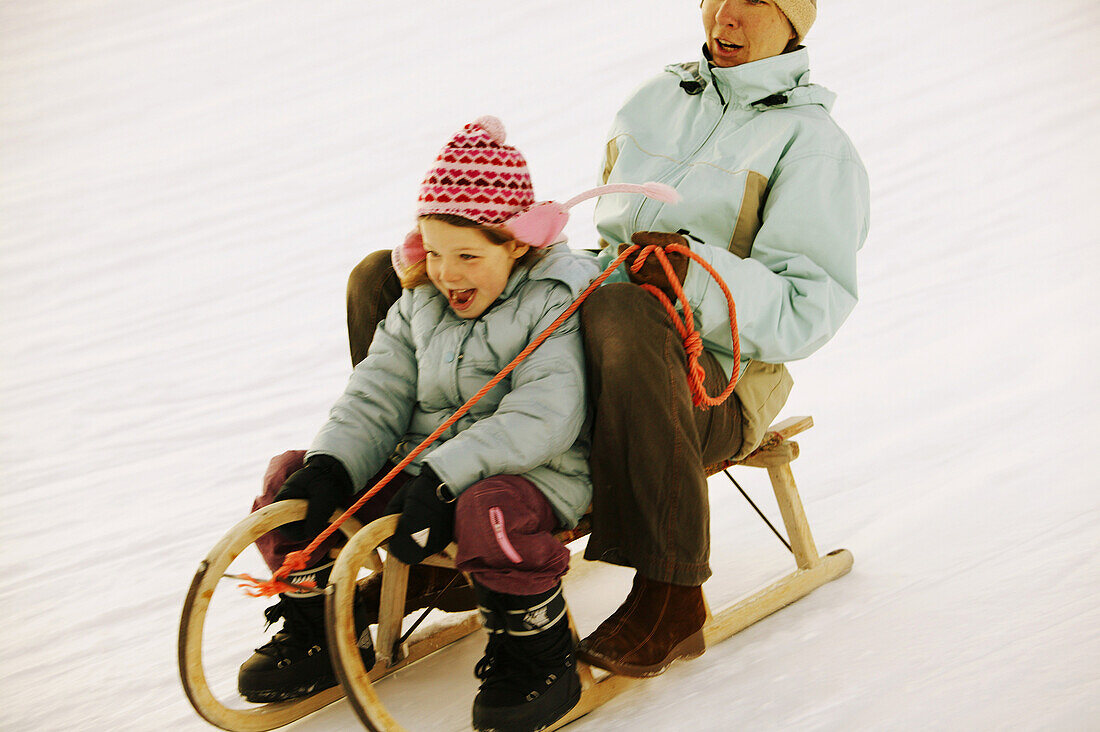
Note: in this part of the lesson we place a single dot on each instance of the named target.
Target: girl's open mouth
(461, 299)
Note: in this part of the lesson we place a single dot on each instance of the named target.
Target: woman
(775, 198)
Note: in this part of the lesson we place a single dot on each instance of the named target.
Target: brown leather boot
(428, 585)
(657, 624)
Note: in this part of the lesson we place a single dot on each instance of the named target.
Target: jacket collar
(777, 81)
(558, 263)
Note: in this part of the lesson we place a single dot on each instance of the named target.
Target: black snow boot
(529, 674)
(296, 661)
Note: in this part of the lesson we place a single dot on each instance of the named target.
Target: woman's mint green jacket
(774, 190)
(425, 362)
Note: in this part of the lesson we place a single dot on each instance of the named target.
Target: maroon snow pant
(650, 444)
(503, 527)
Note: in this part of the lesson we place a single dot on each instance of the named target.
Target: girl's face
(740, 31)
(466, 266)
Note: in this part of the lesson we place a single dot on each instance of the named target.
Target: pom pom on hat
(493, 127)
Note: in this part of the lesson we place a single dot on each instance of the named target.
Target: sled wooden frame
(261, 717)
(211, 571)
(775, 455)
(598, 686)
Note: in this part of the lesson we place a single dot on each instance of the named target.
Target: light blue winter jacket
(425, 362)
(772, 187)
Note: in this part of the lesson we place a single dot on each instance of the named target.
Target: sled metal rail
(775, 455)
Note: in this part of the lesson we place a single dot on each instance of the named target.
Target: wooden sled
(361, 551)
(598, 686)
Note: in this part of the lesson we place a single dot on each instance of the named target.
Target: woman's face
(466, 266)
(740, 31)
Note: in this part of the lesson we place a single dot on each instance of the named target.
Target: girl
(482, 276)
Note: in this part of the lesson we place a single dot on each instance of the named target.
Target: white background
(185, 185)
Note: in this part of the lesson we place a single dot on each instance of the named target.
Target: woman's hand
(325, 484)
(427, 520)
(652, 273)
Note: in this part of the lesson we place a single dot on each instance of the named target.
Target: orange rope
(693, 342)
(299, 560)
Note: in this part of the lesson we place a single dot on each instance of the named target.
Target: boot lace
(299, 634)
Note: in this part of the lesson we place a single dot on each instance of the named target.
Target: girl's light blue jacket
(425, 362)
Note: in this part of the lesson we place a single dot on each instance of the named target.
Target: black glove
(652, 273)
(427, 520)
(325, 483)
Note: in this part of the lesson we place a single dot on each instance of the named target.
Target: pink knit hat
(478, 177)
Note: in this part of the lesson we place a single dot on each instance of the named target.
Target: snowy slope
(185, 185)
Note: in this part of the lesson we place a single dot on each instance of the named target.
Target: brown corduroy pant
(649, 443)
(650, 508)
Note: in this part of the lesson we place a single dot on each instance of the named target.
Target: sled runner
(361, 552)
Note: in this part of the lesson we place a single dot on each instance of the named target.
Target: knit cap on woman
(801, 14)
(478, 177)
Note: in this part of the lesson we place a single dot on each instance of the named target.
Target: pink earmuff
(408, 252)
(541, 224)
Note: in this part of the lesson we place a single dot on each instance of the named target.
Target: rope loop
(693, 346)
(685, 325)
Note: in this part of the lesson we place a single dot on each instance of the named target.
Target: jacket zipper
(667, 177)
(460, 348)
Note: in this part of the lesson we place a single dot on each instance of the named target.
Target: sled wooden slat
(584, 671)
(794, 516)
(391, 608)
(374, 562)
(781, 454)
(788, 428)
(440, 560)
(774, 449)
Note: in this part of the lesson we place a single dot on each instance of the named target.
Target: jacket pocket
(763, 389)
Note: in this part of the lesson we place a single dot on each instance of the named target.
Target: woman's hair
(416, 274)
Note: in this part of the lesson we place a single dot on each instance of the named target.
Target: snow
(184, 187)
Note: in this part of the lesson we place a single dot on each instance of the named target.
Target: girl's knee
(500, 506)
(510, 493)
